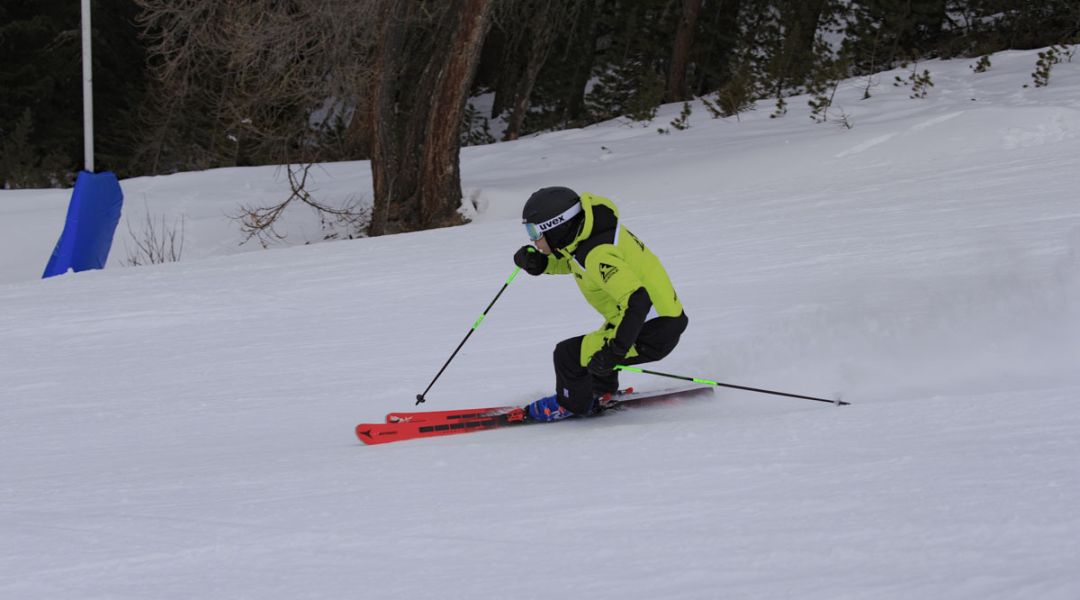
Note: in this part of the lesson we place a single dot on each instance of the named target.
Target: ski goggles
(536, 231)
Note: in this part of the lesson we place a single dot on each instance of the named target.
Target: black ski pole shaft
(838, 401)
(420, 397)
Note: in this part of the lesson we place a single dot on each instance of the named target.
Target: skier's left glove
(603, 363)
(532, 260)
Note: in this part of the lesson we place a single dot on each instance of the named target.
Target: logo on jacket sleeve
(606, 271)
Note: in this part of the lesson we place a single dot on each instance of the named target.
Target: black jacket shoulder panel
(605, 225)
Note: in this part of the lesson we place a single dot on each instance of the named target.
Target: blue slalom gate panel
(91, 222)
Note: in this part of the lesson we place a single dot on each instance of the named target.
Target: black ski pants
(576, 388)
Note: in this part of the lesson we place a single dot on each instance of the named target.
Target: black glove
(532, 260)
(603, 363)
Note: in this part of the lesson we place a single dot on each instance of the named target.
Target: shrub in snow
(682, 121)
(920, 82)
(155, 244)
(1047, 59)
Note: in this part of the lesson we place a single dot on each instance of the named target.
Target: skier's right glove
(603, 362)
(532, 260)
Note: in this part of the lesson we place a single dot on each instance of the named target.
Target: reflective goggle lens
(533, 231)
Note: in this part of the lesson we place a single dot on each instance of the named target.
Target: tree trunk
(359, 133)
(801, 25)
(583, 44)
(680, 57)
(541, 32)
(718, 45)
(427, 58)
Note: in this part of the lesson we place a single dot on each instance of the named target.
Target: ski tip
(364, 432)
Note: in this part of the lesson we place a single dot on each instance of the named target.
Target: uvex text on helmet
(547, 210)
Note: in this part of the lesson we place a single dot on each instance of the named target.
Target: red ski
(413, 425)
(439, 416)
(382, 433)
(467, 414)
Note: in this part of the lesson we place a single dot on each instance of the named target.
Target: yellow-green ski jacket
(609, 264)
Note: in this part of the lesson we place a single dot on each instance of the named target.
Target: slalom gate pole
(420, 397)
(837, 402)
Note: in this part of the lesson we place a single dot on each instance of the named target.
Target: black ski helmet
(552, 212)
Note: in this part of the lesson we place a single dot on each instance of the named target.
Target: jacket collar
(588, 202)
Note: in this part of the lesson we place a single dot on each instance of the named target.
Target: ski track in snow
(185, 430)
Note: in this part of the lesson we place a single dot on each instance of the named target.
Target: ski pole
(420, 397)
(837, 402)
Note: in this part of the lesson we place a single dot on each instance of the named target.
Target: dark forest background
(195, 84)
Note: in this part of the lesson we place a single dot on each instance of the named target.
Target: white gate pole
(88, 89)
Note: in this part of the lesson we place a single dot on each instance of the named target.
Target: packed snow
(186, 430)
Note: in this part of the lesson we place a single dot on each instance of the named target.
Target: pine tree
(40, 90)
(631, 63)
(42, 73)
(825, 76)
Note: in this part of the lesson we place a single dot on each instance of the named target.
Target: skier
(619, 277)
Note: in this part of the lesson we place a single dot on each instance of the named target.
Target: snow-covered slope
(185, 430)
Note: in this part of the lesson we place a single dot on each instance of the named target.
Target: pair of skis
(400, 426)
